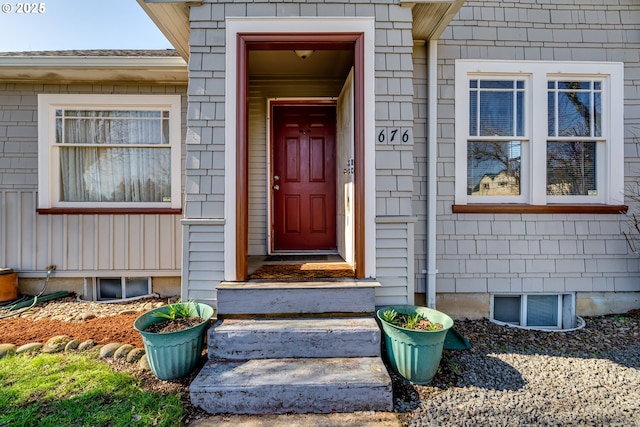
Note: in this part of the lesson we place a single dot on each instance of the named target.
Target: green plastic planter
(413, 354)
(174, 354)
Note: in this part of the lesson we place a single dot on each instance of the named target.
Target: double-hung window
(538, 133)
(109, 151)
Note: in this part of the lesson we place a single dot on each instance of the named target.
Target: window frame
(48, 151)
(566, 309)
(610, 172)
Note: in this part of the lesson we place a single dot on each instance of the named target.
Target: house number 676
(394, 136)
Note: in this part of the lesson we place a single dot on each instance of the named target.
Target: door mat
(303, 271)
(294, 258)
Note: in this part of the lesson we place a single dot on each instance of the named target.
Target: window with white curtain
(109, 151)
(538, 132)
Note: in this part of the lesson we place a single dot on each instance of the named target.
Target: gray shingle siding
(533, 253)
(394, 95)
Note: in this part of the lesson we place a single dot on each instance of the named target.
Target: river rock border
(63, 343)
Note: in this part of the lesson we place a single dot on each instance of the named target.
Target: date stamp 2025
(23, 8)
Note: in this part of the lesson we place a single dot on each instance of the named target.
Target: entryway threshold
(299, 284)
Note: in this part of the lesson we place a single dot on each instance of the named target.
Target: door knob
(276, 187)
(276, 177)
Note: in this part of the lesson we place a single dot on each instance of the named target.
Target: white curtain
(114, 168)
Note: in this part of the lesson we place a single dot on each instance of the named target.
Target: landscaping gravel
(511, 376)
(516, 377)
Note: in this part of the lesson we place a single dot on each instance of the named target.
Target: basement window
(535, 311)
(116, 288)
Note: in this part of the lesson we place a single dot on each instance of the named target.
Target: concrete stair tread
(287, 299)
(300, 324)
(321, 385)
(301, 284)
(220, 374)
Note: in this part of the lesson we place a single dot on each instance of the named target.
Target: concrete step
(278, 386)
(264, 298)
(241, 339)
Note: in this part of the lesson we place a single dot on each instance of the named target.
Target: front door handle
(276, 187)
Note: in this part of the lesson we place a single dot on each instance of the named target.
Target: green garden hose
(23, 304)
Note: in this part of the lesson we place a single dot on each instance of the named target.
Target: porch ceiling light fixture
(303, 54)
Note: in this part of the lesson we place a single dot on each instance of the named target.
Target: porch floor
(307, 267)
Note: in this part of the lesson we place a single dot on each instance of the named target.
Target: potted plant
(173, 336)
(414, 337)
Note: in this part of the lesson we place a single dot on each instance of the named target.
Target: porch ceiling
(430, 18)
(321, 64)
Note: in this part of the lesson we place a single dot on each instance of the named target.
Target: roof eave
(172, 19)
(77, 69)
(431, 17)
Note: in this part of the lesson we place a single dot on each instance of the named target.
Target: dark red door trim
(267, 41)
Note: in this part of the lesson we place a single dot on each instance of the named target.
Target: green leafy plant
(389, 315)
(412, 320)
(177, 310)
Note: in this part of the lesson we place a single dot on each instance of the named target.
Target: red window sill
(536, 209)
(109, 211)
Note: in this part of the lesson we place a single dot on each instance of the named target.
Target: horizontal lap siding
(84, 244)
(394, 242)
(79, 245)
(204, 261)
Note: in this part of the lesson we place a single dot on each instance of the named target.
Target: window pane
(520, 114)
(496, 114)
(574, 114)
(507, 309)
(542, 310)
(112, 131)
(496, 84)
(571, 169)
(597, 114)
(574, 109)
(551, 113)
(500, 110)
(473, 113)
(89, 174)
(136, 286)
(112, 113)
(493, 168)
(109, 288)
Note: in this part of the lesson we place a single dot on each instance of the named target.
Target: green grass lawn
(77, 390)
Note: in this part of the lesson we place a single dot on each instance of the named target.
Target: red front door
(303, 178)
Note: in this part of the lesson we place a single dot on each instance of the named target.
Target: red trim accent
(242, 161)
(539, 209)
(290, 41)
(109, 211)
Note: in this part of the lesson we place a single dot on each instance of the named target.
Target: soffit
(430, 18)
(172, 19)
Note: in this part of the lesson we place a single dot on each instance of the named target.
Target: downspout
(432, 152)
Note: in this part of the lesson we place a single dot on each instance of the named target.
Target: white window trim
(48, 185)
(610, 174)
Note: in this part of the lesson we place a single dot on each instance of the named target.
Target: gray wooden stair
(245, 339)
(272, 298)
(281, 347)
